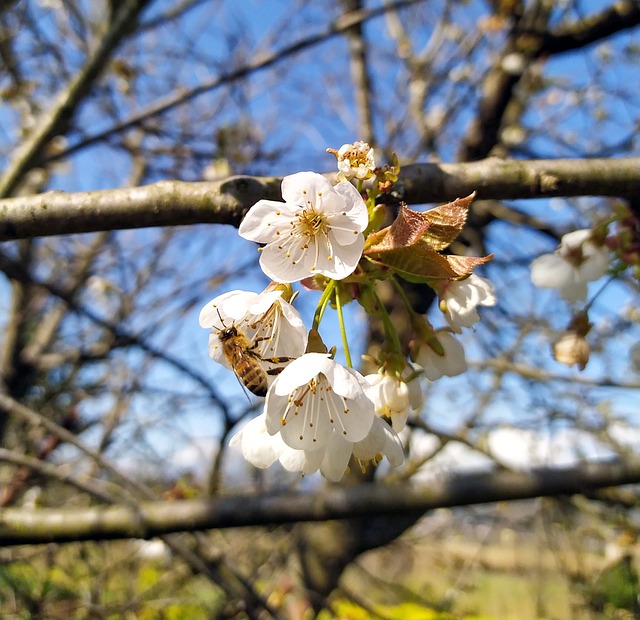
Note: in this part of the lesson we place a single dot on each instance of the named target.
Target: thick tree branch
(22, 526)
(173, 203)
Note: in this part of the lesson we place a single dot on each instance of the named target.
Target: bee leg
(275, 371)
(277, 360)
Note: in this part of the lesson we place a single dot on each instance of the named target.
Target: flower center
(310, 223)
(575, 256)
(356, 158)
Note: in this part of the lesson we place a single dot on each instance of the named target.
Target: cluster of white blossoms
(319, 414)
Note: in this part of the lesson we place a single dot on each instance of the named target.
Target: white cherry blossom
(262, 450)
(381, 441)
(459, 300)
(315, 402)
(316, 230)
(452, 363)
(393, 397)
(272, 324)
(355, 161)
(577, 261)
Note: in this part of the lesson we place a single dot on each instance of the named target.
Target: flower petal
(357, 212)
(259, 448)
(336, 459)
(301, 188)
(276, 265)
(300, 372)
(551, 271)
(266, 221)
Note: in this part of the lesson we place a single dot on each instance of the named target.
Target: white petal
(596, 262)
(300, 372)
(274, 408)
(276, 265)
(336, 459)
(574, 239)
(313, 460)
(265, 220)
(344, 381)
(209, 316)
(551, 271)
(399, 421)
(291, 314)
(259, 448)
(293, 460)
(345, 258)
(263, 302)
(215, 349)
(452, 363)
(237, 306)
(301, 188)
(343, 229)
(308, 427)
(574, 290)
(486, 290)
(358, 209)
(382, 439)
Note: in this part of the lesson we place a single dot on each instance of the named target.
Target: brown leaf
(464, 265)
(406, 230)
(446, 222)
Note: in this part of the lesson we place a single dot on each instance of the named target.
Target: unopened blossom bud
(571, 348)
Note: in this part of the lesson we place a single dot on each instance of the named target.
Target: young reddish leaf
(407, 229)
(446, 222)
(464, 265)
(420, 263)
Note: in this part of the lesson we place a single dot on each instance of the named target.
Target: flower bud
(571, 348)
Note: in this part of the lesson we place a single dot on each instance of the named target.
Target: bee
(244, 359)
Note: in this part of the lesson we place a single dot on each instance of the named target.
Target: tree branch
(173, 203)
(613, 19)
(22, 526)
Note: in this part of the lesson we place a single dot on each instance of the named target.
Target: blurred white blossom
(577, 261)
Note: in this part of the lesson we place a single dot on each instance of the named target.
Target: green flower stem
(405, 300)
(389, 328)
(599, 292)
(322, 304)
(343, 331)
